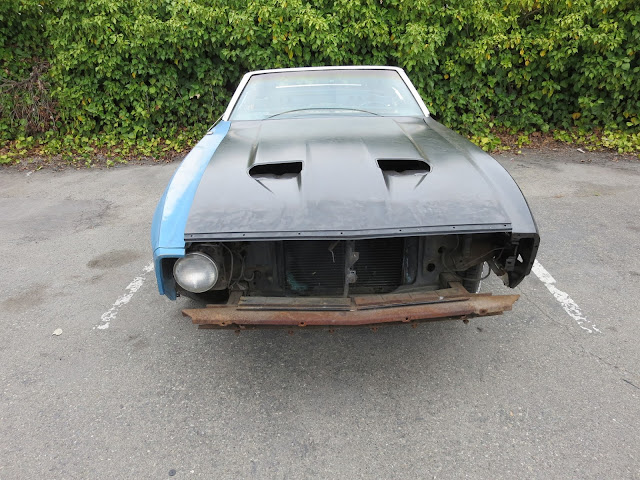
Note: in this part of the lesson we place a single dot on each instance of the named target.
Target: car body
(330, 196)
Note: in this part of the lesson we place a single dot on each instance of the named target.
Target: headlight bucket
(196, 272)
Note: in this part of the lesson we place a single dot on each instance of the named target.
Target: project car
(330, 196)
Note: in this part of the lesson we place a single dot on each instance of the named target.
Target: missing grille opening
(401, 166)
(276, 169)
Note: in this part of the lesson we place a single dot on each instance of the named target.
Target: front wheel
(472, 277)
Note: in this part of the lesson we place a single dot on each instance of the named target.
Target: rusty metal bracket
(454, 302)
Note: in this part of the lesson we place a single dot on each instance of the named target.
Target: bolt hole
(431, 267)
(441, 249)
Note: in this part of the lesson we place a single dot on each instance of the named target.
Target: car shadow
(312, 363)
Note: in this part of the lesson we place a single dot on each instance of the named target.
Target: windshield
(325, 92)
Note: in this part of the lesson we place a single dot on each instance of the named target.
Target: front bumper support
(366, 310)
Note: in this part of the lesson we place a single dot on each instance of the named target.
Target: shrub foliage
(141, 68)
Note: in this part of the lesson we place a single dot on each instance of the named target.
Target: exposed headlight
(196, 272)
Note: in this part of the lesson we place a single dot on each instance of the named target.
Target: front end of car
(363, 281)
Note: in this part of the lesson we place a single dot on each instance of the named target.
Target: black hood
(315, 177)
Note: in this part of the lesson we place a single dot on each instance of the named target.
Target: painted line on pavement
(131, 289)
(563, 298)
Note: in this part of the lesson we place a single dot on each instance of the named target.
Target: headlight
(195, 272)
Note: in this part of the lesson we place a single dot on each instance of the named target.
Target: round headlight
(195, 272)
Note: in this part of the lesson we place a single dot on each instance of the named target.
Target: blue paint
(170, 217)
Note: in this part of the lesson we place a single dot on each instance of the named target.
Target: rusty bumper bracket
(366, 310)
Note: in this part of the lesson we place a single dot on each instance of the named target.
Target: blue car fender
(170, 217)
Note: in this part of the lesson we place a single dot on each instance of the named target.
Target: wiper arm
(322, 108)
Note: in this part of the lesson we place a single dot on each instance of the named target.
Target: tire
(472, 278)
(212, 296)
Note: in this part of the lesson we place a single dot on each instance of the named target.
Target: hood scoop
(404, 166)
(279, 178)
(276, 170)
(403, 175)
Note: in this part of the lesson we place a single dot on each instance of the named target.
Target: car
(329, 196)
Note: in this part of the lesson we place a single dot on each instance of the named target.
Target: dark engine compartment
(339, 267)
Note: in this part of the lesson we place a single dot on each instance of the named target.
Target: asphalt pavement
(548, 390)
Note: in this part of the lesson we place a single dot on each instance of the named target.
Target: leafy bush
(25, 103)
(135, 69)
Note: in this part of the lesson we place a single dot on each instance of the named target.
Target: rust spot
(371, 311)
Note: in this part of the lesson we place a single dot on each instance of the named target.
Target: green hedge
(142, 68)
(25, 102)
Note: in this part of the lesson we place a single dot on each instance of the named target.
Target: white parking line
(131, 289)
(565, 300)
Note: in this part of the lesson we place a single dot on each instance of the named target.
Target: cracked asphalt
(525, 395)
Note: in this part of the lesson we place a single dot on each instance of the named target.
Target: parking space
(548, 390)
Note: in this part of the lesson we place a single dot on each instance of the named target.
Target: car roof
(331, 67)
